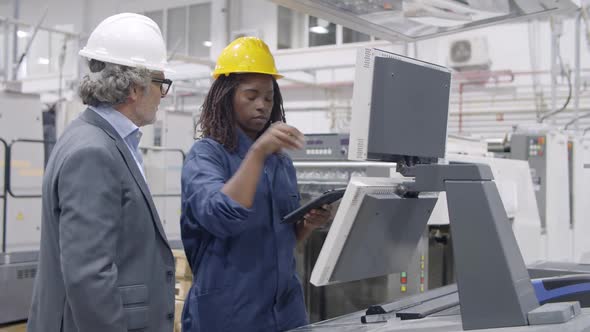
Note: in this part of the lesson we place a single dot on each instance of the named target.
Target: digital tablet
(328, 197)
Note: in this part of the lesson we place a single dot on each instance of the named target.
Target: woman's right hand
(277, 137)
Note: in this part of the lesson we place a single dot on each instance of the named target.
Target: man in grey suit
(105, 264)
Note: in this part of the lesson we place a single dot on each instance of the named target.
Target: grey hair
(110, 84)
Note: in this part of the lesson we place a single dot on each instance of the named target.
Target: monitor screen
(375, 232)
(399, 109)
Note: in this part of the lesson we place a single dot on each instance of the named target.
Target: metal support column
(4, 195)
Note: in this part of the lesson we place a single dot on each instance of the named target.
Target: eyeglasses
(165, 85)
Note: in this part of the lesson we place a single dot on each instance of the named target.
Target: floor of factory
(14, 327)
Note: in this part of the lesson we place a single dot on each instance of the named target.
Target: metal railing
(8, 180)
(8, 190)
(4, 194)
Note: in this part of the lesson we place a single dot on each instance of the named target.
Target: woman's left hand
(318, 217)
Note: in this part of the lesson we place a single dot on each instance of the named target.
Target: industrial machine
(578, 176)
(512, 178)
(380, 221)
(558, 160)
(432, 264)
(546, 150)
(22, 162)
(322, 165)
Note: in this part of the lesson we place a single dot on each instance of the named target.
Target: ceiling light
(207, 43)
(319, 29)
(43, 61)
(22, 34)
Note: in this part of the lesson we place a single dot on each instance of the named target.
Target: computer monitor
(375, 232)
(399, 108)
(399, 113)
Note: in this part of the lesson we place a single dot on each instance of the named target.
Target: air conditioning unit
(469, 54)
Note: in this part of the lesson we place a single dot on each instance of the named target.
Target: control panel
(534, 149)
(322, 147)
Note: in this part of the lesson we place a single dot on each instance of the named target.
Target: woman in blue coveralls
(236, 185)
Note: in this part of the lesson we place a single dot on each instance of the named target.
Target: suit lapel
(91, 117)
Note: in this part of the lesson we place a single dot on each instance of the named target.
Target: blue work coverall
(242, 259)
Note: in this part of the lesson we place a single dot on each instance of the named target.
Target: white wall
(60, 12)
(64, 15)
(509, 46)
(509, 49)
(256, 15)
(100, 9)
(252, 15)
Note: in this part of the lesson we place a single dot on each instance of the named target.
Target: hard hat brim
(125, 62)
(276, 76)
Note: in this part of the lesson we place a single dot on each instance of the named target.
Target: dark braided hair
(218, 120)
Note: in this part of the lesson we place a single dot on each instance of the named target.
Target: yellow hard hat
(246, 55)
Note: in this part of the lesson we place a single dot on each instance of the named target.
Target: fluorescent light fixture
(22, 34)
(319, 30)
(398, 21)
(43, 61)
(207, 43)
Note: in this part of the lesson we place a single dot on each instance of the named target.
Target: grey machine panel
(443, 321)
(402, 87)
(16, 283)
(554, 313)
(386, 237)
(430, 307)
(544, 269)
(533, 149)
(335, 300)
(339, 299)
(581, 323)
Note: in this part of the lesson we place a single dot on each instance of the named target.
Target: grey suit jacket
(104, 262)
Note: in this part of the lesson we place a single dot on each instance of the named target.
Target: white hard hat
(128, 39)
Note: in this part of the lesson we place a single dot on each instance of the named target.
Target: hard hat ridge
(246, 55)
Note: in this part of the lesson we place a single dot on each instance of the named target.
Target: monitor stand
(493, 283)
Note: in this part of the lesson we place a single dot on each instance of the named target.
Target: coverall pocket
(211, 311)
(287, 203)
